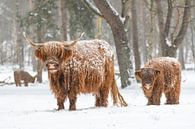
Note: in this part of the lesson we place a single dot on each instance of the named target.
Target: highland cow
(76, 67)
(21, 75)
(161, 75)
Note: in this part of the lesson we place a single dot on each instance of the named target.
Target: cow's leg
(60, 102)
(25, 83)
(106, 85)
(172, 97)
(16, 84)
(98, 100)
(19, 83)
(150, 102)
(62, 93)
(72, 100)
(168, 98)
(157, 92)
(104, 96)
(154, 99)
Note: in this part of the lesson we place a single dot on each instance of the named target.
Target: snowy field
(33, 107)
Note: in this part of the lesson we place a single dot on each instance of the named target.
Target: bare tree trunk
(142, 28)
(64, 19)
(181, 56)
(169, 49)
(135, 35)
(121, 43)
(192, 43)
(39, 34)
(164, 28)
(39, 71)
(161, 27)
(185, 22)
(151, 31)
(20, 45)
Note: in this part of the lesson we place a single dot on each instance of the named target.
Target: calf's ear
(138, 75)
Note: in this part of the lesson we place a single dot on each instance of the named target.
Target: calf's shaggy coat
(76, 67)
(161, 75)
(20, 75)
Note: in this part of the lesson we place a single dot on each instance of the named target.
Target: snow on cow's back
(170, 69)
(95, 47)
(89, 56)
(163, 61)
(168, 59)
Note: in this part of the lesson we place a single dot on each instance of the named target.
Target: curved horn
(75, 41)
(35, 45)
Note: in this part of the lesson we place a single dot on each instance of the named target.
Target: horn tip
(24, 33)
(82, 34)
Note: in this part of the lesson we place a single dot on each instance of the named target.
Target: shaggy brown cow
(76, 67)
(161, 75)
(21, 75)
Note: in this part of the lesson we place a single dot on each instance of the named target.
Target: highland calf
(21, 75)
(161, 75)
(76, 67)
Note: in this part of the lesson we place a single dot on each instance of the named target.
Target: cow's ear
(138, 75)
(67, 54)
(40, 54)
(157, 72)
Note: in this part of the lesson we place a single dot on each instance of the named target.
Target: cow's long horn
(75, 41)
(35, 45)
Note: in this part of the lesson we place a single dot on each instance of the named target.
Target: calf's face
(147, 76)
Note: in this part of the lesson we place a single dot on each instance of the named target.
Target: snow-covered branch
(91, 6)
(116, 13)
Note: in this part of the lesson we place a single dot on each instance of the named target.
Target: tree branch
(168, 19)
(92, 7)
(185, 22)
(180, 6)
(175, 28)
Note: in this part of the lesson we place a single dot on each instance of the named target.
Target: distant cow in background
(161, 75)
(20, 75)
(76, 67)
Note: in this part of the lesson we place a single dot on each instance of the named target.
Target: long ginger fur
(86, 67)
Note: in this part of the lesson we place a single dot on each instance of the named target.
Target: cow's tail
(117, 97)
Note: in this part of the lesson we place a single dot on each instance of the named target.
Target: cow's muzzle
(147, 86)
(52, 66)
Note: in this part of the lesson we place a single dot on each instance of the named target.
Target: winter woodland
(137, 30)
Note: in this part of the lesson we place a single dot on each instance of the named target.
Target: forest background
(138, 30)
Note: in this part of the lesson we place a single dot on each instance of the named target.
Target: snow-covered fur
(81, 67)
(20, 75)
(161, 75)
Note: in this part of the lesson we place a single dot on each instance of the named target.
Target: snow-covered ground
(33, 108)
